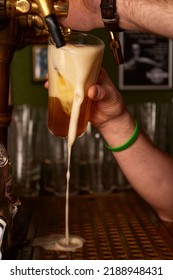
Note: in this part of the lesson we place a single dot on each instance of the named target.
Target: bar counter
(118, 226)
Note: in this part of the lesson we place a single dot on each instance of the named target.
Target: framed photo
(147, 61)
(39, 57)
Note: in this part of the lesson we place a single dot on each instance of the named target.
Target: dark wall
(24, 89)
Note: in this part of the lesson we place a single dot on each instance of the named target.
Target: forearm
(146, 15)
(153, 16)
(149, 171)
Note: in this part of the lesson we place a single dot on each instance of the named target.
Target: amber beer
(72, 69)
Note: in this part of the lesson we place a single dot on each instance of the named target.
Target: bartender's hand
(46, 84)
(83, 15)
(107, 102)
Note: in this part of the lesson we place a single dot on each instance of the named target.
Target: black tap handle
(54, 30)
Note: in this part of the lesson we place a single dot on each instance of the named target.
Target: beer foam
(57, 242)
(80, 72)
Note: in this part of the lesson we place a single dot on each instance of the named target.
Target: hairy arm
(148, 169)
(155, 16)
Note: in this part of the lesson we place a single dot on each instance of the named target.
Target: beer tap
(47, 11)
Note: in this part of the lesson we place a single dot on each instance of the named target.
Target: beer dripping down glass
(72, 69)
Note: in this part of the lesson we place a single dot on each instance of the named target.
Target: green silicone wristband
(128, 143)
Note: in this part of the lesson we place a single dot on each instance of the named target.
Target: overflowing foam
(82, 65)
(72, 70)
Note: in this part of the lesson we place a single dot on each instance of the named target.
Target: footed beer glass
(72, 69)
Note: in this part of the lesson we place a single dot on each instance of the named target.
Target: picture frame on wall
(39, 58)
(147, 62)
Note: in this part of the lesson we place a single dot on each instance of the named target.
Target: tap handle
(115, 46)
(110, 19)
(54, 30)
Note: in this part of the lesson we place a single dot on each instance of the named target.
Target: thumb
(96, 92)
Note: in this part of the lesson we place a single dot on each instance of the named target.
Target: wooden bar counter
(118, 226)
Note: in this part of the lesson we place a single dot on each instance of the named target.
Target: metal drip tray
(114, 226)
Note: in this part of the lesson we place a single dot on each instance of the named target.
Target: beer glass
(72, 69)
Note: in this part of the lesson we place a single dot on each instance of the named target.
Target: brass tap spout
(47, 11)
